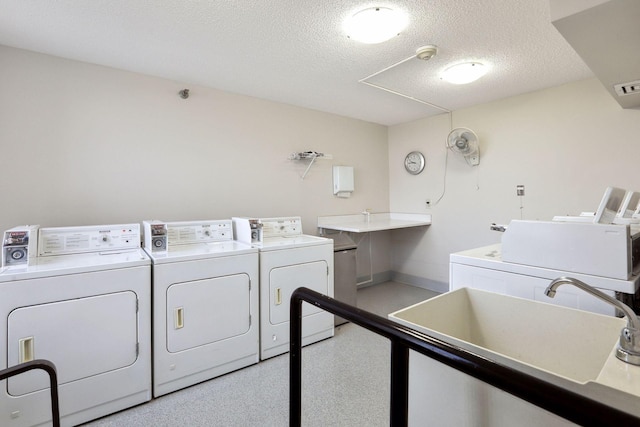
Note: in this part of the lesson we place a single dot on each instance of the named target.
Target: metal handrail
(545, 395)
(50, 369)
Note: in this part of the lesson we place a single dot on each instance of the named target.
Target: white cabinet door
(83, 337)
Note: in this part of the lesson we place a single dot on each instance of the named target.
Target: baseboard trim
(420, 282)
(407, 279)
(384, 276)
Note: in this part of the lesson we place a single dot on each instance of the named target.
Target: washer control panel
(255, 230)
(74, 240)
(281, 227)
(190, 232)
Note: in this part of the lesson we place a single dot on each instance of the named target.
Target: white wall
(565, 144)
(84, 144)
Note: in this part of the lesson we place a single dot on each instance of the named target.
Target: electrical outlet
(630, 88)
(520, 190)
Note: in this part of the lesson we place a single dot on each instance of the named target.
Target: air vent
(605, 34)
(630, 88)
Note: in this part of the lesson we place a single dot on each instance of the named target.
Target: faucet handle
(629, 348)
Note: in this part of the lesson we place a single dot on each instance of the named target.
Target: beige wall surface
(565, 144)
(83, 144)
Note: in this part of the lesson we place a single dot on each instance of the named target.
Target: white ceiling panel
(296, 52)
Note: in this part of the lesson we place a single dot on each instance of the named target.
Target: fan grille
(464, 141)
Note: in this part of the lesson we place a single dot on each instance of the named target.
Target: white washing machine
(288, 260)
(483, 268)
(205, 302)
(83, 303)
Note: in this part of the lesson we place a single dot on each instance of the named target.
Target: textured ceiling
(296, 52)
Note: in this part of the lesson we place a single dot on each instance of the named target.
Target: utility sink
(570, 343)
(570, 348)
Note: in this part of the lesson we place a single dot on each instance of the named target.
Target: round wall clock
(414, 162)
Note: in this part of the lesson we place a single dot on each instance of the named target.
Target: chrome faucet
(629, 346)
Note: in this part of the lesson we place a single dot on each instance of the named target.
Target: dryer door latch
(178, 318)
(26, 350)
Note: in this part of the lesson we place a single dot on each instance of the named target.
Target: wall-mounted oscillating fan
(465, 142)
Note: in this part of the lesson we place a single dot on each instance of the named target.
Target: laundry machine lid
(198, 251)
(302, 240)
(75, 264)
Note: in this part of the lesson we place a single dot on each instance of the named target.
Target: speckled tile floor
(345, 382)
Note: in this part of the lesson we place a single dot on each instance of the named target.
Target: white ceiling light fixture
(375, 25)
(464, 73)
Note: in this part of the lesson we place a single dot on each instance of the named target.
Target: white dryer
(288, 260)
(205, 302)
(83, 303)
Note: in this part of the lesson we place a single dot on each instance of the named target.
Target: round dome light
(464, 73)
(375, 25)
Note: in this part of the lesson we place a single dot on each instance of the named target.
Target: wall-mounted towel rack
(309, 155)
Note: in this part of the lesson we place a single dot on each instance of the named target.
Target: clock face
(414, 162)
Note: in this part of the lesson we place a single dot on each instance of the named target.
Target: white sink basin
(573, 344)
(570, 348)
